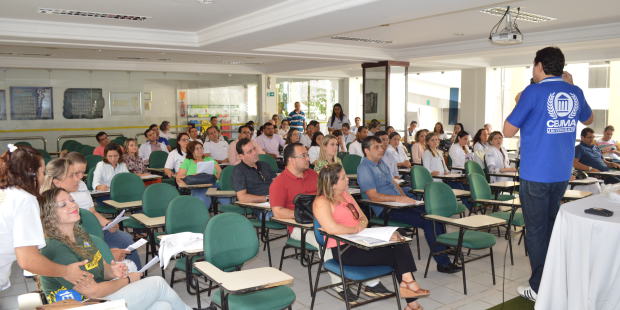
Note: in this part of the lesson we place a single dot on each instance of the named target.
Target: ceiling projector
(508, 34)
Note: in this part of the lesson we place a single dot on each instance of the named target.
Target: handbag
(303, 208)
(200, 178)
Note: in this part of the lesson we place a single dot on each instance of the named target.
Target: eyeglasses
(304, 155)
(353, 210)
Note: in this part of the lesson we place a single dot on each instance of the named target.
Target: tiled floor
(446, 290)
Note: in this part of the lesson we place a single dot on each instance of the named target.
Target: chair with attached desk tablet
(90, 223)
(350, 163)
(229, 242)
(473, 167)
(270, 160)
(440, 203)
(420, 177)
(186, 214)
(355, 275)
(226, 185)
(127, 187)
(92, 161)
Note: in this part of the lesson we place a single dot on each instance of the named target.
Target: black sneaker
(351, 297)
(450, 268)
(377, 291)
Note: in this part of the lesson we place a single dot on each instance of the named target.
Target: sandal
(418, 307)
(406, 292)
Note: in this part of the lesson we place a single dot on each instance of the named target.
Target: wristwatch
(589, 168)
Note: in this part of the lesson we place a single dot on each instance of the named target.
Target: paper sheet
(150, 176)
(117, 220)
(205, 167)
(150, 264)
(136, 245)
(403, 204)
(372, 236)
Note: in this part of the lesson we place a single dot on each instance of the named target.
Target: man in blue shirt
(376, 184)
(297, 118)
(588, 156)
(546, 113)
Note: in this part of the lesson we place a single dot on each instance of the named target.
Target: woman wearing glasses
(338, 213)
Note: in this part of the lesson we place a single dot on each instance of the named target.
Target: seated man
(588, 156)
(244, 132)
(297, 178)
(355, 147)
(103, 140)
(215, 147)
(376, 182)
(193, 134)
(269, 141)
(251, 178)
(346, 132)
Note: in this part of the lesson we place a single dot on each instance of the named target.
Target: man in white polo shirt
(218, 149)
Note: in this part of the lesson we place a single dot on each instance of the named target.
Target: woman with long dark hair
(337, 119)
(21, 232)
(176, 156)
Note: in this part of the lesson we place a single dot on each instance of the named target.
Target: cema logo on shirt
(560, 105)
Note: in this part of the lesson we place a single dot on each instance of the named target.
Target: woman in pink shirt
(338, 213)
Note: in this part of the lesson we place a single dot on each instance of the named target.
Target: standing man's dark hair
(547, 114)
(552, 60)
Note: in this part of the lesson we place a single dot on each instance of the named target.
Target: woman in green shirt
(68, 243)
(189, 166)
(328, 153)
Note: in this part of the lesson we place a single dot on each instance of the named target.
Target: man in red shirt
(103, 140)
(297, 178)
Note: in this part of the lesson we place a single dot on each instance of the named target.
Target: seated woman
(328, 153)
(176, 156)
(284, 128)
(434, 162)
(338, 213)
(496, 157)
(480, 145)
(398, 150)
(459, 152)
(111, 165)
(292, 136)
(68, 243)
(67, 173)
(195, 155)
(458, 127)
(164, 130)
(419, 146)
(150, 145)
(315, 147)
(342, 145)
(134, 163)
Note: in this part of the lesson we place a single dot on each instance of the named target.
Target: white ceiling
(293, 37)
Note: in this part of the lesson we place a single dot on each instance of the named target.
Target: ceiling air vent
(518, 14)
(92, 14)
(375, 41)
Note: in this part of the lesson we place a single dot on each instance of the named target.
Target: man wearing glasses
(233, 155)
(377, 183)
(251, 178)
(103, 140)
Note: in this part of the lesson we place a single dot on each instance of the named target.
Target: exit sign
(270, 94)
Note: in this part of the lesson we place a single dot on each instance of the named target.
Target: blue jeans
(540, 203)
(201, 193)
(120, 240)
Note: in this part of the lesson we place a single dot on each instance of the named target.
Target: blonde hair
(126, 146)
(428, 138)
(49, 219)
(56, 169)
(328, 177)
(323, 151)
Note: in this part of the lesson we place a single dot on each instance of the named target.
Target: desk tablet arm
(244, 281)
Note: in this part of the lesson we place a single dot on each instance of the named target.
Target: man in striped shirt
(297, 118)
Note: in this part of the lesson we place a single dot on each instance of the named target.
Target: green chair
(103, 247)
(270, 160)
(92, 160)
(71, 145)
(173, 143)
(186, 214)
(155, 201)
(157, 159)
(480, 189)
(473, 167)
(341, 155)
(46, 156)
(226, 185)
(86, 150)
(90, 223)
(348, 145)
(420, 177)
(350, 163)
(439, 200)
(126, 187)
(120, 140)
(24, 143)
(229, 242)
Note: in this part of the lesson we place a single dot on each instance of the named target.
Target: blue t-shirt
(375, 176)
(590, 155)
(297, 120)
(547, 115)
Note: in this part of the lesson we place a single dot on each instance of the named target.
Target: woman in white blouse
(496, 157)
(150, 145)
(284, 127)
(460, 152)
(418, 148)
(111, 165)
(458, 127)
(433, 157)
(480, 145)
(315, 149)
(176, 156)
(399, 149)
(438, 129)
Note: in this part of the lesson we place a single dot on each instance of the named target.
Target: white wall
(473, 96)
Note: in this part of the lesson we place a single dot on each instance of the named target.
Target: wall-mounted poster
(125, 103)
(2, 104)
(31, 103)
(83, 103)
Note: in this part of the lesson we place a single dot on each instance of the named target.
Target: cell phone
(599, 212)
